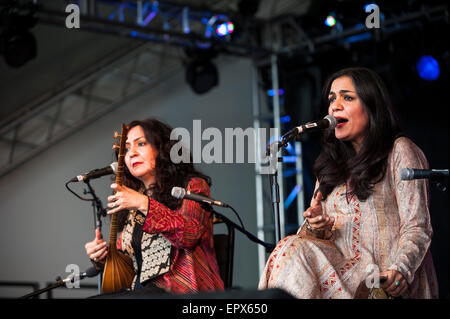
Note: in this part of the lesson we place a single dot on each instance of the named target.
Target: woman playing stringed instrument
(170, 241)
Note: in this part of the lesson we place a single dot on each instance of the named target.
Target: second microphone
(180, 193)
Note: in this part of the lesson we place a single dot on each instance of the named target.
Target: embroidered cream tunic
(390, 230)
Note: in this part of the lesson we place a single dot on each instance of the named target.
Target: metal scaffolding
(167, 26)
(169, 22)
(81, 101)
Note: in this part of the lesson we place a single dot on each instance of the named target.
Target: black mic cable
(181, 193)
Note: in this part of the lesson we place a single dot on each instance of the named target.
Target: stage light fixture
(219, 26)
(330, 21)
(201, 74)
(224, 29)
(428, 68)
(17, 44)
(271, 92)
(18, 47)
(285, 119)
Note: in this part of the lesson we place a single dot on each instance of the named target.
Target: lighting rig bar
(158, 21)
(360, 32)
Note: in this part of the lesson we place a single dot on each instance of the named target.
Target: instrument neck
(114, 228)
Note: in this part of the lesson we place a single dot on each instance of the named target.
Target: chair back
(224, 248)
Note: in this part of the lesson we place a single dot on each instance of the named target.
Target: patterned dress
(389, 230)
(184, 236)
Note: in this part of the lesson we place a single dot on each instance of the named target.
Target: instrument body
(118, 272)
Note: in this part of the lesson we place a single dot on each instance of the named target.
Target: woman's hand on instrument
(126, 198)
(315, 217)
(96, 249)
(395, 283)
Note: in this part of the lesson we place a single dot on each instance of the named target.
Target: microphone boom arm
(269, 247)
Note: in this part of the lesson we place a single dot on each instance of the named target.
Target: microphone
(96, 173)
(89, 273)
(407, 174)
(328, 121)
(180, 193)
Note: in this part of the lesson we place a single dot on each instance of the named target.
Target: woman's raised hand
(315, 217)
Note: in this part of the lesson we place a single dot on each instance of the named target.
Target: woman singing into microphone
(363, 220)
(170, 241)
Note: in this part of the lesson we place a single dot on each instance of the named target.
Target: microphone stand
(59, 282)
(271, 152)
(269, 247)
(99, 211)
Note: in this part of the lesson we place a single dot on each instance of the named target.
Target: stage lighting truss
(95, 92)
(184, 24)
(170, 22)
(296, 38)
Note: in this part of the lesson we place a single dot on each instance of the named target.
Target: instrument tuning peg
(116, 135)
(115, 146)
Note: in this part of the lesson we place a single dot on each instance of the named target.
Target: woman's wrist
(143, 207)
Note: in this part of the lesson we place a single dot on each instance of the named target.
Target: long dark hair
(167, 173)
(339, 162)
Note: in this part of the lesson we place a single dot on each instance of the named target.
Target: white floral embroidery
(155, 251)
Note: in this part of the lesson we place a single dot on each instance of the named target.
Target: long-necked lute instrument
(118, 272)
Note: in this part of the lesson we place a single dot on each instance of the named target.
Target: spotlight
(285, 119)
(334, 22)
(428, 68)
(218, 25)
(271, 92)
(224, 29)
(330, 21)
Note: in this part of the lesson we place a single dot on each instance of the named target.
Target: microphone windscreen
(332, 121)
(178, 192)
(92, 272)
(406, 174)
(114, 167)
